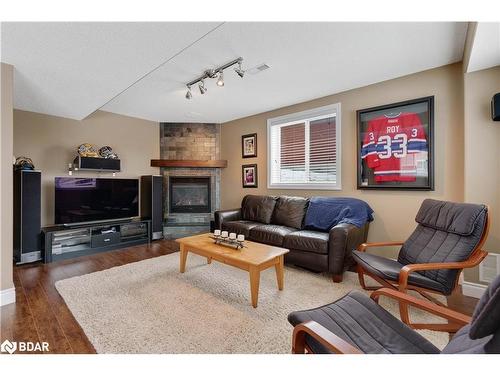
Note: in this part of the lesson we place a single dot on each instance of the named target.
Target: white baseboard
(7, 296)
(473, 289)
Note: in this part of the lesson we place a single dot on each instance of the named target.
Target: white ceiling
(74, 69)
(71, 69)
(485, 51)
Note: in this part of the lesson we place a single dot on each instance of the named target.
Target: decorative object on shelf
(90, 164)
(217, 73)
(228, 239)
(24, 163)
(249, 175)
(396, 146)
(107, 153)
(87, 150)
(249, 145)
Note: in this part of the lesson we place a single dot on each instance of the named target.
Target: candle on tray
(241, 238)
(217, 232)
(224, 234)
(232, 236)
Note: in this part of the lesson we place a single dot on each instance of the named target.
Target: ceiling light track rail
(215, 73)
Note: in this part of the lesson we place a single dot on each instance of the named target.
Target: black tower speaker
(27, 216)
(495, 107)
(152, 203)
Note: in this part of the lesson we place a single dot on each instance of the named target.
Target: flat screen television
(79, 200)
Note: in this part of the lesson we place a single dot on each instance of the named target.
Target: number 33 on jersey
(391, 147)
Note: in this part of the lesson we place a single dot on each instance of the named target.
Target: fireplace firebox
(189, 195)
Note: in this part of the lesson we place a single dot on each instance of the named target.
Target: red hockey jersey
(391, 144)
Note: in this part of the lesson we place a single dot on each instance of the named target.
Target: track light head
(202, 87)
(189, 95)
(220, 80)
(239, 71)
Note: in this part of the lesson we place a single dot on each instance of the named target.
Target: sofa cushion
(389, 269)
(258, 208)
(239, 226)
(290, 211)
(270, 234)
(307, 240)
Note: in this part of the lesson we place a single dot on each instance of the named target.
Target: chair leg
(404, 313)
(361, 278)
(337, 278)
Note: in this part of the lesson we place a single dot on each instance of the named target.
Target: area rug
(149, 307)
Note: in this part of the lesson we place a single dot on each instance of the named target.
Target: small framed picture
(249, 145)
(396, 146)
(249, 175)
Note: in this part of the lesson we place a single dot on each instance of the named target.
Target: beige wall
(6, 181)
(394, 210)
(482, 151)
(51, 143)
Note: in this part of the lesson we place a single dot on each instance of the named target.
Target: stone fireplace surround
(189, 141)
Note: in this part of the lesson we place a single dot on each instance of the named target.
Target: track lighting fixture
(202, 87)
(220, 80)
(214, 73)
(239, 71)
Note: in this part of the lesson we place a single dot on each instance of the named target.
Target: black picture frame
(368, 177)
(246, 183)
(245, 153)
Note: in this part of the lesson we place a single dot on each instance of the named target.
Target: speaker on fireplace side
(152, 204)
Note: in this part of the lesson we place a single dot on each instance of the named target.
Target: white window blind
(304, 149)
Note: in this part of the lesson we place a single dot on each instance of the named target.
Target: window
(304, 150)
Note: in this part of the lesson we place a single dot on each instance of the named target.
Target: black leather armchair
(356, 324)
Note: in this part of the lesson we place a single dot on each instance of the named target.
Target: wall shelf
(189, 163)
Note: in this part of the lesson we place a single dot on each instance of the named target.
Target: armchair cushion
(486, 317)
(258, 208)
(389, 269)
(457, 218)
(447, 232)
(239, 227)
(364, 324)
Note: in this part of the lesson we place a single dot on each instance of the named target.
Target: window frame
(306, 117)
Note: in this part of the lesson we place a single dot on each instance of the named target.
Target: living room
(237, 188)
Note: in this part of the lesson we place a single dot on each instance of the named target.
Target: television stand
(65, 242)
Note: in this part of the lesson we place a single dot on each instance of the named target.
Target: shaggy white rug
(149, 307)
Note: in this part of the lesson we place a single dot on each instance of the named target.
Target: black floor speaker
(152, 204)
(27, 216)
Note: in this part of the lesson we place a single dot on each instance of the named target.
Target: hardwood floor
(40, 313)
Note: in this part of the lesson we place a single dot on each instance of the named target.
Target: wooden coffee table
(253, 258)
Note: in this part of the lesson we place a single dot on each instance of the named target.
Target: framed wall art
(395, 146)
(249, 145)
(249, 175)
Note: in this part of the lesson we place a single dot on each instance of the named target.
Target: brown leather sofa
(279, 221)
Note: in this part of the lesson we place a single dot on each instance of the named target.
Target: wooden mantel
(189, 163)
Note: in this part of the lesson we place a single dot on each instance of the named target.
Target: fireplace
(189, 195)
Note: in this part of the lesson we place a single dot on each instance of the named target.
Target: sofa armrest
(226, 215)
(343, 238)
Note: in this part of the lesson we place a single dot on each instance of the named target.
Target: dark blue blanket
(324, 213)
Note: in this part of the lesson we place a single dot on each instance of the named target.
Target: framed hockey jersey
(395, 146)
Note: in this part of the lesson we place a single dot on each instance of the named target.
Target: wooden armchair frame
(402, 284)
(339, 346)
